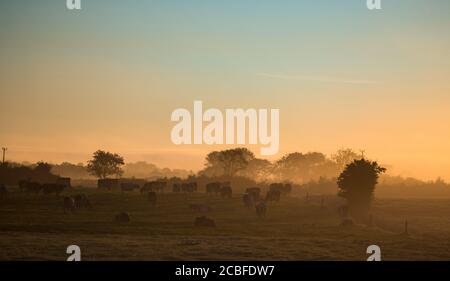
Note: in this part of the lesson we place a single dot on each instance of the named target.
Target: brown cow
(68, 204)
(82, 201)
(273, 196)
(204, 222)
(261, 209)
(50, 188)
(226, 191)
(254, 193)
(122, 217)
(213, 187)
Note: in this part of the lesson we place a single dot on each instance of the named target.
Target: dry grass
(35, 228)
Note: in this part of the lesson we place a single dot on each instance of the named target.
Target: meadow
(34, 227)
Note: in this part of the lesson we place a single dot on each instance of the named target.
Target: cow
(282, 188)
(50, 188)
(68, 204)
(129, 186)
(226, 191)
(82, 201)
(276, 186)
(122, 217)
(64, 181)
(201, 208)
(151, 196)
(287, 188)
(176, 187)
(108, 183)
(204, 222)
(254, 192)
(155, 186)
(273, 196)
(3, 191)
(248, 200)
(189, 187)
(261, 209)
(213, 187)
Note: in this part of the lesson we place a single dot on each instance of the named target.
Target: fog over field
(225, 130)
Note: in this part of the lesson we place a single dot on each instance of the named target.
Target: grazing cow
(204, 222)
(201, 208)
(155, 186)
(194, 186)
(273, 196)
(68, 204)
(248, 200)
(276, 186)
(261, 209)
(226, 191)
(108, 183)
(213, 187)
(129, 186)
(152, 198)
(282, 188)
(3, 191)
(64, 181)
(82, 201)
(189, 187)
(122, 217)
(50, 188)
(176, 187)
(254, 192)
(287, 188)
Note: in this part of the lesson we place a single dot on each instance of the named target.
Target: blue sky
(329, 66)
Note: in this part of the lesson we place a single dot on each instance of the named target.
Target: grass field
(36, 228)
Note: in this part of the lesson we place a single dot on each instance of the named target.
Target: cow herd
(252, 198)
(46, 188)
(76, 202)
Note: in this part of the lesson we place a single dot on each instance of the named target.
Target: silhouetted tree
(228, 162)
(43, 168)
(357, 183)
(104, 164)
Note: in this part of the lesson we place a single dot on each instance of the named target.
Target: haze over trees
(294, 167)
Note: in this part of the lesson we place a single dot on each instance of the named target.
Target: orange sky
(109, 78)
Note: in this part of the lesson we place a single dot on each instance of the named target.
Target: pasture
(34, 227)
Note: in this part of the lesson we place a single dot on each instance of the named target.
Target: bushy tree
(228, 162)
(104, 164)
(357, 184)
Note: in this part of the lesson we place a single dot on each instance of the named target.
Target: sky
(110, 75)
